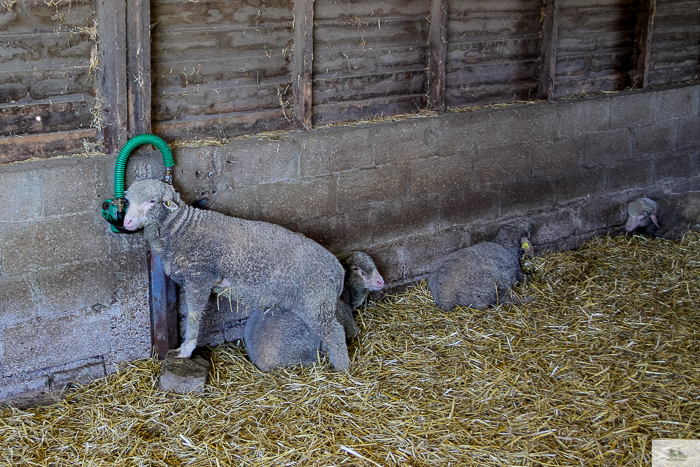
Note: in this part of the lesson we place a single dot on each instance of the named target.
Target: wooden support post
(646, 10)
(548, 51)
(163, 304)
(303, 62)
(437, 51)
(138, 62)
(111, 25)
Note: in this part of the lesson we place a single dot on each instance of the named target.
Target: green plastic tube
(128, 148)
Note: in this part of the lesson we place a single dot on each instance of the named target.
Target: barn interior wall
(74, 298)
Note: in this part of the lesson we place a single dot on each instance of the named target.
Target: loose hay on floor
(601, 361)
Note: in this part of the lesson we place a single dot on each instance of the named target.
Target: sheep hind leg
(332, 333)
(196, 299)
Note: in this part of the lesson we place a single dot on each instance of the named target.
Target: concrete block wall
(74, 296)
(73, 300)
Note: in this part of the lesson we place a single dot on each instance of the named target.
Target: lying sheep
(267, 266)
(670, 216)
(279, 339)
(481, 275)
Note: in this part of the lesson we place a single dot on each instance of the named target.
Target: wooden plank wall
(47, 90)
(370, 58)
(595, 46)
(222, 68)
(493, 51)
(675, 44)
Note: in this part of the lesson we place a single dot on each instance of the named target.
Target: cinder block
(16, 300)
(599, 212)
(526, 124)
(238, 202)
(77, 286)
(526, 195)
(253, 162)
(360, 188)
(439, 174)
(82, 375)
(336, 149)
(673, 165)
(53, 242)
(675, 103)
(577, 117)
(24, 392)
(38, 343)
(411, 139)
(343, 232)
(578, 183)
(689, 133)
(625, 175)
(551, 227)
(283, 202)
(502, 164)
(70, 188)
(397, 219)
(654, 140)
(468, 205)
(465, 131)
(20, 197)
(555, 158)
(631, 109)
(606, 148)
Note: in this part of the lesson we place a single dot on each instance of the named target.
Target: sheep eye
(152, 201)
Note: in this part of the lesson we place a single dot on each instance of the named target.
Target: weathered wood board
(225, 61)
(47, 81)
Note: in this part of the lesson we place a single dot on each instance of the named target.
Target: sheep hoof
(185, 350)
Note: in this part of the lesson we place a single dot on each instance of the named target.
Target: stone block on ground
(183, 375)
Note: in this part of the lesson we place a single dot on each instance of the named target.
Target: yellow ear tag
(526, 246)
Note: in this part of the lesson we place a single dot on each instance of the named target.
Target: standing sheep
(266, 265)
(279, 339)
(670, 216)
(481, 275)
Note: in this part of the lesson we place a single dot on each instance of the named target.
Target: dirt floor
(600, 362)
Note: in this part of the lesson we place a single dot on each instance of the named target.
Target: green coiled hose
(132, 144)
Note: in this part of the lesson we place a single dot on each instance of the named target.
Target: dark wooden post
(111, 24)
(303, 62)
(646, 10)
(548, 51)
(138, 33)
(162, 290)
(437, 51)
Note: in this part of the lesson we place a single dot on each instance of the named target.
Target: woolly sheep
(279, 339)
(266, 265)
(481, 275)
(670, 216)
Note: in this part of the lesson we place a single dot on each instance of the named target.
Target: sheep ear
(170, 205)
(526, 245)
(653, 219)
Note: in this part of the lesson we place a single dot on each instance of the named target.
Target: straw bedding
(601, 361)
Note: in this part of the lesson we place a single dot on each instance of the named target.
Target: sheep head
(360, 268)
(150, 201)
(640, 213)
(515, 236)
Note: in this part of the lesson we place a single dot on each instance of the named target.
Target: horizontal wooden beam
(45, 145)
(17, 119)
